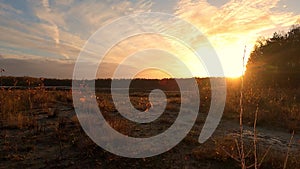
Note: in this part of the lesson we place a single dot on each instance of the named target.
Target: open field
(180, 84)
(39, 129)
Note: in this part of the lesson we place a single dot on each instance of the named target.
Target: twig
(250, 166)
(248, 154)
(238, 147)
(264, 156)
(288, 151)
(230, 155)
(227, 153)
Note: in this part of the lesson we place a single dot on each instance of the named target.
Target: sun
(234, 57)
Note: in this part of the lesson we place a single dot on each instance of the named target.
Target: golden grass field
(39, 129)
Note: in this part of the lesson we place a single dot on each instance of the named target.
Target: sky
(44, 38)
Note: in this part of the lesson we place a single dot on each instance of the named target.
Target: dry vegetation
(39, 129)
(277, 107)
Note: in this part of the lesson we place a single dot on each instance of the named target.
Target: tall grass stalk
(256, 166)
(242, 151)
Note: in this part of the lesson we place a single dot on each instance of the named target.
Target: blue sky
(44, 38)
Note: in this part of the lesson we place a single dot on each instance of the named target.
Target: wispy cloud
(235, 16)
(56, 29)
(50, 20)
(7, 9)
(59, 29)
(66, 24)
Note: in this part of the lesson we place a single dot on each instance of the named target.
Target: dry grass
(18, 107)
(226, 149)
(277, 107)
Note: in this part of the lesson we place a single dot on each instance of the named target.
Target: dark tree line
(275, 62)
(136, 84)
(33, 82)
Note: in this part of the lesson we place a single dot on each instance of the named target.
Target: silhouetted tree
(276, 61)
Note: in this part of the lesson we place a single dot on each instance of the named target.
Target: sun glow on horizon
(172, 55)
(231, 58)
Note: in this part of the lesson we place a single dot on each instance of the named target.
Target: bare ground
(59, 142)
